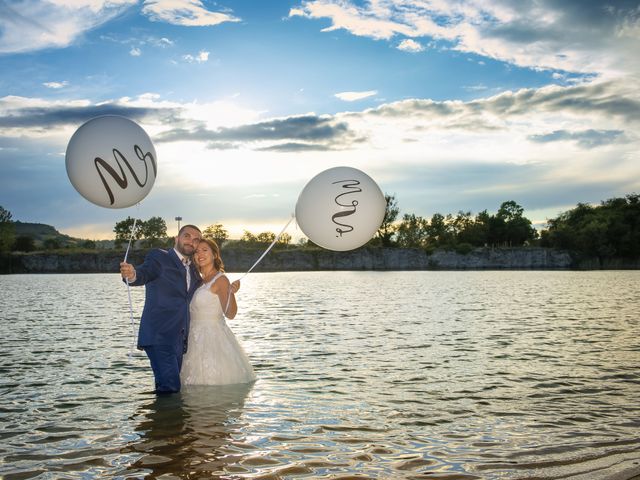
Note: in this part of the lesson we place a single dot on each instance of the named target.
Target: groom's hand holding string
(128, 271)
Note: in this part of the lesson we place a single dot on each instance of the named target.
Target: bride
(214, 355)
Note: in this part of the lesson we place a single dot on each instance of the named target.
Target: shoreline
(300, 259)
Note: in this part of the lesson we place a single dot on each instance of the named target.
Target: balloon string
(133, 330)
(133, 230)
(269, 247)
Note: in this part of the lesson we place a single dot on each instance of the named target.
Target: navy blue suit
(164, 326)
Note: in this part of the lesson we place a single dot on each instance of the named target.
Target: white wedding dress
(214, 355)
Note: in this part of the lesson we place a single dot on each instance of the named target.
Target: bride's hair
(217, 259)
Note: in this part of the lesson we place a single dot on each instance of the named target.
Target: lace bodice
(205, 305)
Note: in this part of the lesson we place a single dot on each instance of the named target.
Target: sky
(449, 105)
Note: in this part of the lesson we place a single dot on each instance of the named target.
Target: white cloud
(409, 45)
(296, 12)
(32, 25)
(573, 36)
(358, 20)
(354, 96)
(135, 52)
(56, 85)
(189, 13)
(201, 57)
(475, 88)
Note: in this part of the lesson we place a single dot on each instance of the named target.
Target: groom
(170, 279)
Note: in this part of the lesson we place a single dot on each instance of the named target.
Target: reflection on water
(194, 432)
(448, 375)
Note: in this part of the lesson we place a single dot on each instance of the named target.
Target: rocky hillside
(240, 260)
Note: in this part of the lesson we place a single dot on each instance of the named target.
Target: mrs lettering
(121, 179)
(348, 204)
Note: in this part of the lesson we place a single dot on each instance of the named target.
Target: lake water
(440, 375)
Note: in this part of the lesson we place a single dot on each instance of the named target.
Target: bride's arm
(226, 295)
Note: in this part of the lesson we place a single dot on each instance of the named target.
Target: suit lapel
(180, 267)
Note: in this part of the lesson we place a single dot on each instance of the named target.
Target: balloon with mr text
(111, 161)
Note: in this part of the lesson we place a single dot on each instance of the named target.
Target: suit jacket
(165, 317)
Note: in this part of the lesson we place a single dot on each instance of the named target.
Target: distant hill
(41, 232)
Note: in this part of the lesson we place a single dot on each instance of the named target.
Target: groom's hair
(188, 226)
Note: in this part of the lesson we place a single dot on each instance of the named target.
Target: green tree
(154, 231)
(472, 231)
(388, 228)
(7, 230)
(521, 232)
(89, 244)
(248, 237)
(496, 235)
(123, 228)
(5, 215)
(217, 233)
(608, 230)
(439, 232)
(265, 237)
(24, 243)
(285, 239)
(411, 231)
(624, 224)
(51, 244)
(510, 210)
(481, 228)
(515, 229)
(461, 225)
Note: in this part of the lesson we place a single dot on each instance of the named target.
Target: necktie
(186, 266)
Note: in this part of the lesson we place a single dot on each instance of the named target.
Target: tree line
(508, 227)
(611, 229)
(153, 233)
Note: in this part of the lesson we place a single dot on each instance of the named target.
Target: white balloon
(340, 208)
(111, 161)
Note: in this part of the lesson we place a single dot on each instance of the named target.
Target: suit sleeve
(149, 270)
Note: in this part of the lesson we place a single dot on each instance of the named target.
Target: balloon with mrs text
(111, 161)
(340, 208)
